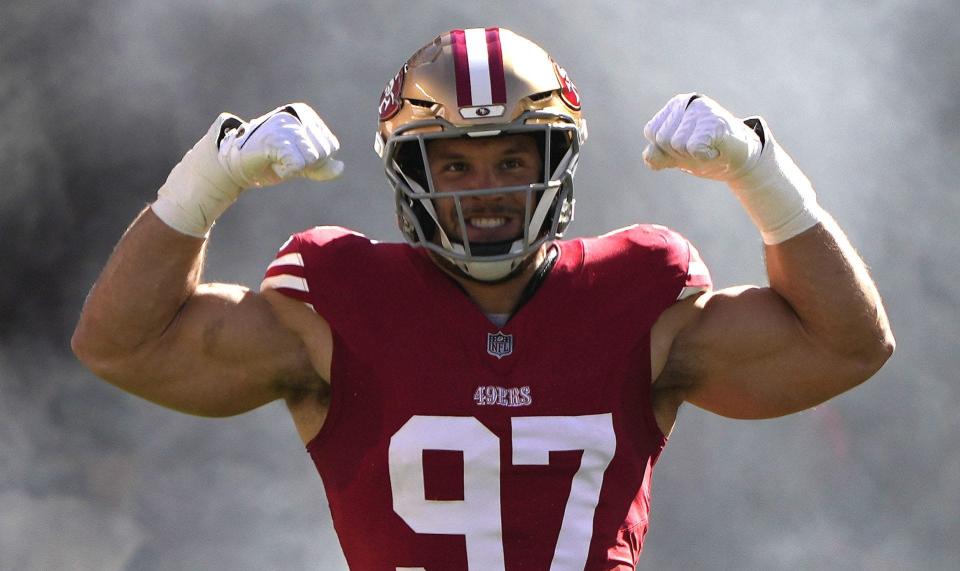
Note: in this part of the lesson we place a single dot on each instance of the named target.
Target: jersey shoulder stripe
(286, 274)
(316, 247)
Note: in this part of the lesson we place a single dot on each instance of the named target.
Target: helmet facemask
(548, 203)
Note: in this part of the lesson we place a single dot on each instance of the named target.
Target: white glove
(695, 134)
(289, 141)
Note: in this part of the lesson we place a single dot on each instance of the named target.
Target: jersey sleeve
(286, 273)
(697, 274)
(310, 267)
(663, 256)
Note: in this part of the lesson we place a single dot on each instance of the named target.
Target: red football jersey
(452, 443)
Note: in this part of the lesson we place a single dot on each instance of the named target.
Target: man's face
(491, 162)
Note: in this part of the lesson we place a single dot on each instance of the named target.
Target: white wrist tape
(199, 188)
(775, 193)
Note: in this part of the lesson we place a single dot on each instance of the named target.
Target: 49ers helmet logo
(390, 101)
(568, 91)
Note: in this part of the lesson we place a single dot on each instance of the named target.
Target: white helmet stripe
(478, 64)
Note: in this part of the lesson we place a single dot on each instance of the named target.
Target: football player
(485, 395)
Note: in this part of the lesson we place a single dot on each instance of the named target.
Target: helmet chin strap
(479, 270)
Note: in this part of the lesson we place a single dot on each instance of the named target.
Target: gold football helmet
(480, 82)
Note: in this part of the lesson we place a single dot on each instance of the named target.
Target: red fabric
(461, 68)
(498, 81)
(408, 344)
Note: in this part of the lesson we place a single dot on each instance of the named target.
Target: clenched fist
(695, 134)
(290, 141)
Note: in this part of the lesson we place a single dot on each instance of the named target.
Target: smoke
(98, 99)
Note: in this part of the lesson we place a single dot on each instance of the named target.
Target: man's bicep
(747, 356)
(224, 354)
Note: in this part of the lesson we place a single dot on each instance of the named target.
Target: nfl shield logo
(499, 344)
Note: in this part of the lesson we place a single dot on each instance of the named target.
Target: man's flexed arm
(818, 330)
(150, 327)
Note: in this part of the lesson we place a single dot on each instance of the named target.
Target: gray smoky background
(100, 98)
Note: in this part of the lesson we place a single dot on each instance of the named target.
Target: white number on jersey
(477, 516)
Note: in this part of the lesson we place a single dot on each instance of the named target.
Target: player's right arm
(151, 328)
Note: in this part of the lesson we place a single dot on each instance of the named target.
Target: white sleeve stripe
(690, 290)
(697, 269)
(618, 230)
(285, 281)
(291, 259)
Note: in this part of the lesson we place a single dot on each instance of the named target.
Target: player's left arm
(818, 330)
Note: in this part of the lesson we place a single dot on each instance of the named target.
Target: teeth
(488, 222)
